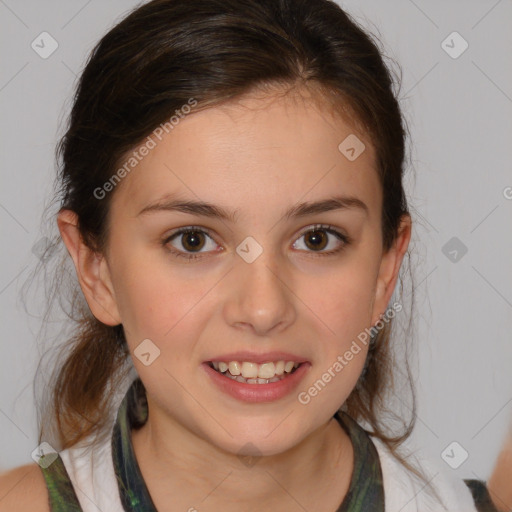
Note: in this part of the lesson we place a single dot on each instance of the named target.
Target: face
(272, 279)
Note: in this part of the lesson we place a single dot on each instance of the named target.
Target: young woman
(232, 201)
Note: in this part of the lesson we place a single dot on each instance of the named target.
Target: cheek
(153, 298)
(342, 300)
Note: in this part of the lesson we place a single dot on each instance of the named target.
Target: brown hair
(144, 69)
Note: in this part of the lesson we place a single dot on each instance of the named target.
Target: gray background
(459, 112)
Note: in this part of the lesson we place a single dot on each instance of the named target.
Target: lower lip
(258, 392)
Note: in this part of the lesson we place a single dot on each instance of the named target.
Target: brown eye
(323, 240)
(316, 240)
(192, 240)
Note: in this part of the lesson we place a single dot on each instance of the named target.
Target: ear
(91, 269)
(389, 269)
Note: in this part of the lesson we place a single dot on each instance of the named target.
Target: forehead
(267, 148)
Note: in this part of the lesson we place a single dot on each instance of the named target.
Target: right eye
(188, 242)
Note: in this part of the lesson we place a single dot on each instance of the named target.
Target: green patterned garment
(366, 491)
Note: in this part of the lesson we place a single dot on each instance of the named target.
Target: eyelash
(346, 240)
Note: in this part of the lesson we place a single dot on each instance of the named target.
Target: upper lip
(253, 357)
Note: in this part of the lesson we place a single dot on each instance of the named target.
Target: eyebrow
(206, 209)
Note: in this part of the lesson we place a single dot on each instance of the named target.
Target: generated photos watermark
(150, 143)
(363, 338)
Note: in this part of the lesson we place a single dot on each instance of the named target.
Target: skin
(258, 156)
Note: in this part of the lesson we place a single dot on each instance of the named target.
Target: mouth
(248, 381)
(246, 372)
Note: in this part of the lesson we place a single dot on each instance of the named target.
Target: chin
(262, 440)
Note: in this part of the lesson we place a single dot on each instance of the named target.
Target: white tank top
(93, 477)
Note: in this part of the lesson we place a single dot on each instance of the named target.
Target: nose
(258, 296)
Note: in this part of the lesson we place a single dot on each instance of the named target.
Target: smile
(253, 382)
(253, 373)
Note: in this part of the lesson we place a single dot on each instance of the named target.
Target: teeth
(280, 368)
(234, 368)
(288, 367)
(249, 370)
(241, 379)
(254, 373)
(267, 370)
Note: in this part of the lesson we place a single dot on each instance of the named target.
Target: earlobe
(381, 289)
(91, 269)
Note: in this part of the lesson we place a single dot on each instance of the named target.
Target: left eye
(321, 239)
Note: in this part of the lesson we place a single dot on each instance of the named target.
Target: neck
(180, 467)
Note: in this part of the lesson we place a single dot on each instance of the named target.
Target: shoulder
(24, 489)
(405, 491)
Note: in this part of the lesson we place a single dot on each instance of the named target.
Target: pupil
(317, 238)
(192, 240)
